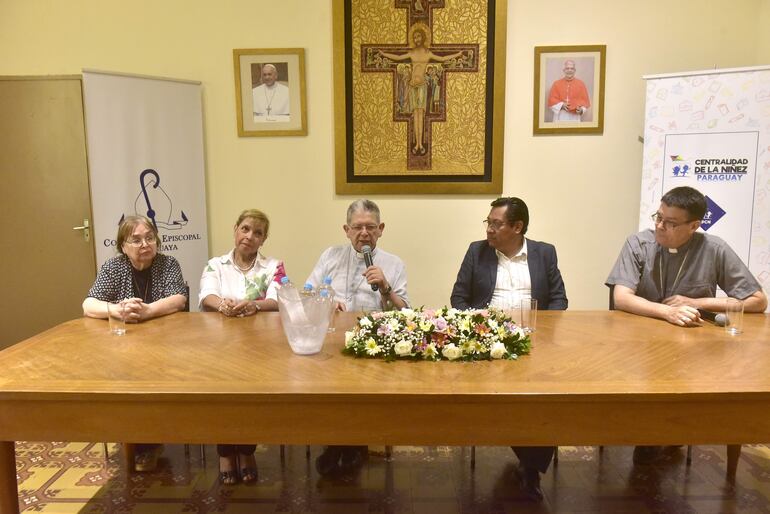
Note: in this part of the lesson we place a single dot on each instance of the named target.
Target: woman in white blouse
(242, 283)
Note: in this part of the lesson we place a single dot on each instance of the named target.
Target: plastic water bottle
(290, 300)
(327, 291)
(307, 290)
(287, 289)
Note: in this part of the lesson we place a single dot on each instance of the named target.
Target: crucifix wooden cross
(419, 71)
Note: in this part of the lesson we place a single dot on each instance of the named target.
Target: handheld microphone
(717, 318)
(367, 251)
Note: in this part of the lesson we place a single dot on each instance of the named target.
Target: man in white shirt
(358, 287)
(352, 279)
(271, 98)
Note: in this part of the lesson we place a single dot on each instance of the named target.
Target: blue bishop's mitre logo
(713, 214)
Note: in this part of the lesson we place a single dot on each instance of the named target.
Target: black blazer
(478, 273)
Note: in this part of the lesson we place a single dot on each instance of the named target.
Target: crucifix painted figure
(419, 56)
(419, 96)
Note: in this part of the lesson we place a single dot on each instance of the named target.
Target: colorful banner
(711, 130)
(145, 155)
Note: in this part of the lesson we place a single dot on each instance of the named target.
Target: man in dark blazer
(500, 271)
(506, 225)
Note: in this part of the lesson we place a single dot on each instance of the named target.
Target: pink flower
(439, 339)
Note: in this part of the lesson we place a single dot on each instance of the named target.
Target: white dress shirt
(513, 283)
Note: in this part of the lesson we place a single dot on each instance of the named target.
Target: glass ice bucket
(305, 321)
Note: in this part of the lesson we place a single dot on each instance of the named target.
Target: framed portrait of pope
(270, 92)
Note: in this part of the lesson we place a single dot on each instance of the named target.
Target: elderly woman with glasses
(242, 283)
(147, 285)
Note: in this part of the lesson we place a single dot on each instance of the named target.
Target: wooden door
(47, 267)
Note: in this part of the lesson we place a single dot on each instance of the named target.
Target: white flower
(349, 339)
(498, 351)
(469, 346)
(394, 325)
(408, 313)
(402, 348)
(371, 347)
(430, 351)
(451, 313)
(451, 352)
(492, 324)
(365, 322)
(520, 332)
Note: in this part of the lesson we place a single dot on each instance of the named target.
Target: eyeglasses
(137, 242)
(368, 228)
(657, 218)
(494, 225)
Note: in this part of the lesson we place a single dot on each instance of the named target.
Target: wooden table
(592, 378)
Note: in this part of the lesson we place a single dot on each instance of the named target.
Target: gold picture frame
(411, 122)
(270, 92)
(554, 111)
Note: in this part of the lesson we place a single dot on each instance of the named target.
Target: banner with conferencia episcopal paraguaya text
(145, 156)
(710, 130)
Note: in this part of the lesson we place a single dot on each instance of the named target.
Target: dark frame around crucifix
(419, 96)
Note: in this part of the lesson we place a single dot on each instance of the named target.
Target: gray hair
(362, 204)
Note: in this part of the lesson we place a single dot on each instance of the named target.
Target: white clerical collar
(684, 247)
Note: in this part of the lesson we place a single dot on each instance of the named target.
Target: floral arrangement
(426, 334)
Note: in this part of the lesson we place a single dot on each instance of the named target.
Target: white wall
(582, 190)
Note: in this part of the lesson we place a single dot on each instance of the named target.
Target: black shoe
(644, 455)
(328, 462)
(530, 483)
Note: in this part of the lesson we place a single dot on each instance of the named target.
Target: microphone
(367, 251)
(717, 319)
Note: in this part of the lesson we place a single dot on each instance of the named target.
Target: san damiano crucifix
(419, 73)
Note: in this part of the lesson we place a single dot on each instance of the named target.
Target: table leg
(9, 494)
(733, 454)
(129, 450)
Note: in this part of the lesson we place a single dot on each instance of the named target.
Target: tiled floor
(73, 478)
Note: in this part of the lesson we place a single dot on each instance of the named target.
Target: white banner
(711, 131)
(145, 155)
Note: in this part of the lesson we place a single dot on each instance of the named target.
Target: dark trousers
(231, 450)
(535, 457)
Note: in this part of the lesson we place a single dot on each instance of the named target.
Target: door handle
(86, 230)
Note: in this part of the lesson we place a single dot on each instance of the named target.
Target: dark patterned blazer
(478, 274)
